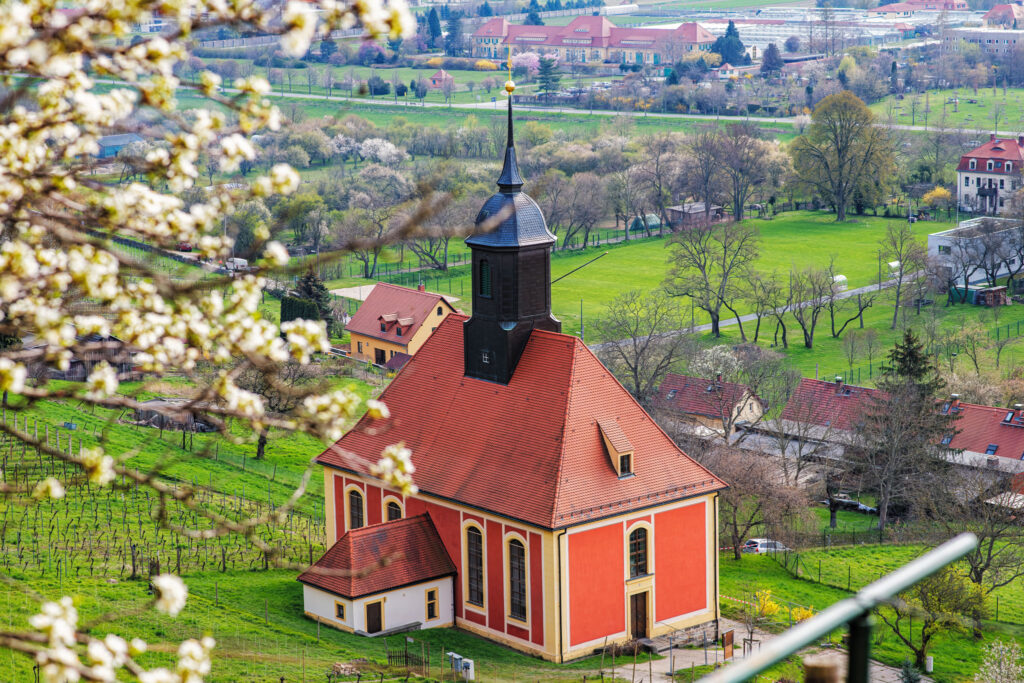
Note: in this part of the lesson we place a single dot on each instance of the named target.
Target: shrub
(434, 62)
(485, 65)
(293, 308)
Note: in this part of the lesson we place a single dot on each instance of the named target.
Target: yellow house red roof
(401, 310)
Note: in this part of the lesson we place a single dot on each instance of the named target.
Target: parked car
(184, 246)
(760, 546)
(846, 503)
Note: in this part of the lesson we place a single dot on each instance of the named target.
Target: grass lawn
(957, 656)
(936, 108)
(232, 608)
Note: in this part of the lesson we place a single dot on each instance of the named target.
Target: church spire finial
(510, 180)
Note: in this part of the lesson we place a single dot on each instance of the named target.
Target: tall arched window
(355, 509)
(394, 511)
(638, 552)
(475, 570)
(485, 278)
(517, 580)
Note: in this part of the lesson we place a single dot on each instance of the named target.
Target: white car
(760, 546)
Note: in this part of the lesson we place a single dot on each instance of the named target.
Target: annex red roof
(1000, 150)
(979, 427)
(697, 396)
(399, 309)
(381, 557)
(531, 450)
(828, 404)
(1005, 15)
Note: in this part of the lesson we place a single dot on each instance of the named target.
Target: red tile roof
(1004, 14)
(381, 557)
(979, 426)
(696, 396)
(828, 404)
(590, 31)
(531, 450)
(999, 149)
(399, 308)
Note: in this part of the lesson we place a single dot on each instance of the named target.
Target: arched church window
(355, 509)
(517, 580)
(638, 552)
(475, 570)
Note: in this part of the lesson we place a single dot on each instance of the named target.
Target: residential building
(441, 78)
(986, 436)
(711, 405)
(828, 412)
(573, 520)
(998, 42)
(989, 175)
(1008, 16)
(414, 583)
(394, 322)
(977, 249)
(592, 39)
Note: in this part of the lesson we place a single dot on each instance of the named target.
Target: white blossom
(276, 254)
(48, 488)
(98, 465)
(102, 381)
(171, 593)
(377, 410)
(12, 376)
(395, 467)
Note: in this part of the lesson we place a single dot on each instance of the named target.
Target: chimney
(421, 287)
(718, 377)
(954, 400)
(991, 137)
(1020, 140)
(839, 380)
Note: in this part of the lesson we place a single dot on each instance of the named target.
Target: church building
(553, 514)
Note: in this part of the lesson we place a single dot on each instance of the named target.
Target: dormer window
(973, 164)
(620, 450)
(383, 326)
(672, 394)
(947, 439)
(1009, 166)
(398, 331)
(992, 448)
(988, 166)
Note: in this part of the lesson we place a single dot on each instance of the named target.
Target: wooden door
(638, 615)
(373, 617)
(378, 356)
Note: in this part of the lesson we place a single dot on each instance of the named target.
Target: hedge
(293, 308)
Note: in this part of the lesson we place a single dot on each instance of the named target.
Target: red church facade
(571, 518)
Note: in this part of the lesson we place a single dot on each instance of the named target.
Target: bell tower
(511, 248)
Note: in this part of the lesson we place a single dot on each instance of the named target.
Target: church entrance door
(638, 615)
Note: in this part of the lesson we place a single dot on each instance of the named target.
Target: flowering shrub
(485, 65)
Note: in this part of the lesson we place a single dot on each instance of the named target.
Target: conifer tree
(771, 62)
(453, 38)
(312, 288)
(433, 26)
(548, 75)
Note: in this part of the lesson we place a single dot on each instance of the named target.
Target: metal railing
(854, 611)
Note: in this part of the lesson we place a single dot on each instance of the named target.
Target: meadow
(977, 111)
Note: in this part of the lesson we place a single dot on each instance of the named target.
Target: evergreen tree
(433, 26)
(327, 48)
(548, 75)
(730, 47)
(312, 288)
(533, 19)
(485, 10)
(673, 76)
(453, 37)
(771, 61)
(894, 79)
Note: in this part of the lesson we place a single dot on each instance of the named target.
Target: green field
(936, 108)
(957, 656)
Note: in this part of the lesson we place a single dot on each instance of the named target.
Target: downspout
(718, 601)
(558, 547)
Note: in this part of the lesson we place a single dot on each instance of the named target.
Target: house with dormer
(988, 176)
(394, 322)
(571, 519)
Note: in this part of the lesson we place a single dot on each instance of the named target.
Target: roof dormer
(618, 447)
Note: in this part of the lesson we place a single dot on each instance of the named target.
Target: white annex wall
(401, 607)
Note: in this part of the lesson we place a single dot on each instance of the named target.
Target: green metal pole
(860, 649)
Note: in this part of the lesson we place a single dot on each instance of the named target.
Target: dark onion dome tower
(511, 248)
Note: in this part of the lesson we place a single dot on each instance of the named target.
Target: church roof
(530, 450)
(381, 557)
(516, 221)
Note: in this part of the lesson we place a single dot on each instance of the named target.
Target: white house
(989, 175)
(383, 578)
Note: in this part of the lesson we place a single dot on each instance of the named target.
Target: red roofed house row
(395, 320)
(986, 435)
(989, 175)
(827, 411)
(709, 403)
(571, 517)
(591, 39)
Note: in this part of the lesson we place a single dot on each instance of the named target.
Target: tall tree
(842, 149)
(548, 76)
(897, 447)
(533, 19)
(708, 264)
(453, 35)
(702, 168)
(312, 288)
(771, 61)
(743, 159)
(647, 340)
(730, 47)
(907, 258)
(433, 26)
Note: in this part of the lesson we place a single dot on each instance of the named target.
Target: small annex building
(572, 519)
(394, 322)
(110, 145)
(440, 78)
(383, 578)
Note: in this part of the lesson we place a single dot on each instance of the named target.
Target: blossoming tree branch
(70, 80)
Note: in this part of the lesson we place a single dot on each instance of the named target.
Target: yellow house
(393, 323)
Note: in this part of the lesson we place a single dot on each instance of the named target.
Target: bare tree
(702, 167)
(586, 206)
(851, 349)
(283, 389)
(755, 497)
(646, 340)
(660, 171)
(743, 159)
(708, 265)
(811, 290)
(907, 258)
